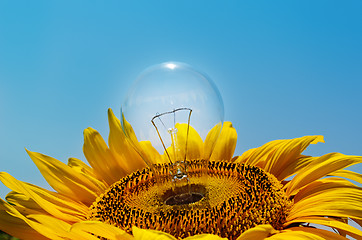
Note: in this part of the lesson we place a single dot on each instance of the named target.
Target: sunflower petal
(211, 140)
(348, 174)
(87, 172)
(147, 157)
(151, 152)
(143, 234)
(303, 233)
(205, 237)
(261, 154)
(299, 164)
(322, 186)
(259, 232)
(61, 228)
(287, 152)
(187, 137)
(23, 204)
(244, 158)
(187, 140)
(55, 204)
(102, 230)
(15, 226)
(101, 158)
(16, 198)
(353, 232)
(226, 143)
(14, 223)
(81, 167)
(119, 145)
(319, 168)
(65, 179)
(328, 197)
(278, 155)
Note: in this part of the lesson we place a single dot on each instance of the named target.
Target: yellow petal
(348, 174)
(328, 197)
(151, 152)
(55, 204)
(120, 146)
(61, 228)
(189, 145)
(15, 226)
(148, 157)
(205, 237)
(295, 166)
(245, 157)
(303, 233)
(18, 225)
(210, 141)
(278, 155)
(259, 232)
(101, 158)
(287, 152)
(87, 172)
(319, 168)
(226, 143)
(64, 179)
(81, 167)
(102, 230)
(353, 232)
(260, 154)
(16, 198)
(23, 204)
(143, 234)
(322, 186)
(188, 139)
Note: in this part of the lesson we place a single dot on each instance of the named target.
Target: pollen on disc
(236, 197)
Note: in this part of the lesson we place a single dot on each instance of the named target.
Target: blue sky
(285, 69)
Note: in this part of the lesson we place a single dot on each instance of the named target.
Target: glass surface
(176, 109)
(170, 93)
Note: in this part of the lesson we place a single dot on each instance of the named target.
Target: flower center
(233, 198)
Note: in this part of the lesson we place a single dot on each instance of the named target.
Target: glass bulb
(172, 108)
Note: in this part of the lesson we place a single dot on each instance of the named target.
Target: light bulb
(172, 109)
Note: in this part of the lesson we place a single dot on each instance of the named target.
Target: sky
(285, 69)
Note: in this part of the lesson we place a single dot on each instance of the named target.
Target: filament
(172, 131)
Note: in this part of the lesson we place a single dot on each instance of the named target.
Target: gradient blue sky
(285, 69)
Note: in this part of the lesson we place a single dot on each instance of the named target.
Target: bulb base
(184, 198)
(174, 190)
(184, 195)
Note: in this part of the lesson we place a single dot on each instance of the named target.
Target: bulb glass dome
(166, 87)
(169, 106)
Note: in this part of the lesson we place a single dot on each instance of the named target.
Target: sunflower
(270, 192)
